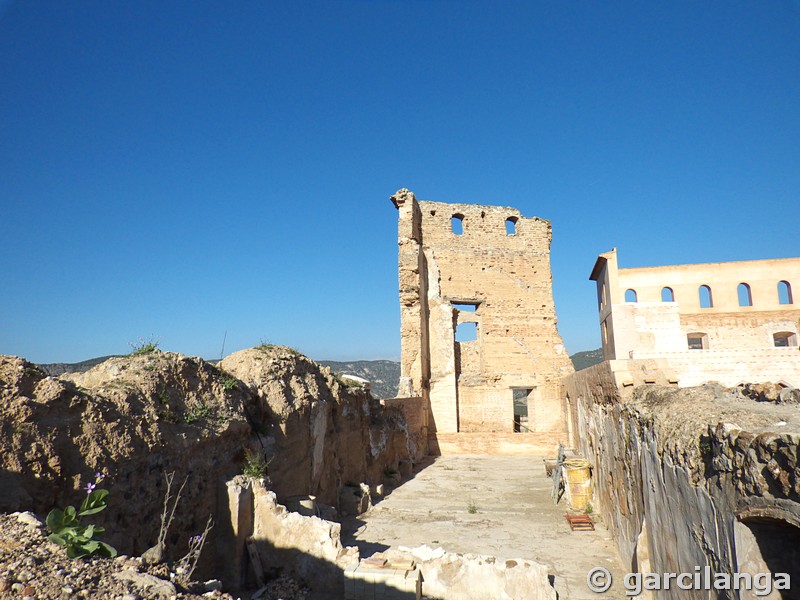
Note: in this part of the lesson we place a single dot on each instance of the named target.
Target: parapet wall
(691, 477)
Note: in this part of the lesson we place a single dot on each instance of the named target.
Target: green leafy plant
(472, 508)
(201, 410)
(143, 346)
(228, 383)
(589, 509)
(254, 465)
(67, 529)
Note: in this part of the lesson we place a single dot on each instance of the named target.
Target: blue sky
(184, 170)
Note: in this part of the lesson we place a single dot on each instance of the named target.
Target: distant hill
(587, 358)
(383, 374)
(56, 369)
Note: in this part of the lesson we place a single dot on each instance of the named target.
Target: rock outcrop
(323, 432)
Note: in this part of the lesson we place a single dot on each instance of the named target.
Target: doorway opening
(521, 398)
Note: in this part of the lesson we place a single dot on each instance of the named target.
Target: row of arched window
(698, 340)
(457, 224)
(707, 299)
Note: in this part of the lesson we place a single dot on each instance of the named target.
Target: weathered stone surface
(475, 577)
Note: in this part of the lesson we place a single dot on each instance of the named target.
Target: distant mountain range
(383, 374)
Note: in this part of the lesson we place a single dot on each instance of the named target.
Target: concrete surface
(492, 505)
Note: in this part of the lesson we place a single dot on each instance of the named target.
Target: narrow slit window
(630, 295)
(466, 332)
(667, 295)
(706, 300)
(511, 226)
(785, 292)
(745, 295)
(457, 224)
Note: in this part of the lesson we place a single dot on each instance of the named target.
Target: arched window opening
(667, 295)
(706, 300)
(784, 339)
(457, 224)
(630, 295)
(511, 225)
(466, 332)
(697, 340)
(745, 295)
(785, 292)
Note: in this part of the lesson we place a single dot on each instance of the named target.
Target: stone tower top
(402, 196)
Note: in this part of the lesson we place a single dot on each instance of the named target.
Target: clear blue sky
(183, 169)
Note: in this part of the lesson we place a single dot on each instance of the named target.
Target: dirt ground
(492, 505)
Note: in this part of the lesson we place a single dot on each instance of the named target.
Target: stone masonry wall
(686, 477)
(502, 283)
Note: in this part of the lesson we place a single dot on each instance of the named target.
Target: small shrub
(228, 383)
(472, 508)
(68, 531)
(589, 509)
(265, 345)
(143, 346)
(201, 410)
(706, 448)
(254, 465)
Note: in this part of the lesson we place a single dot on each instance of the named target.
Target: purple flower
(90, 488)
(196, 539)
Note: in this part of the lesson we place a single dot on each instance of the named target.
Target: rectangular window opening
(466, 332)
(465, 306)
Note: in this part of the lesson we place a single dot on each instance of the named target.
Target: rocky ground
(31, 567)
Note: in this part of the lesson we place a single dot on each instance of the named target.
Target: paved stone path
(492, 505)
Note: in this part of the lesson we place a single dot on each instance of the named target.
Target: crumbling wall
(136, 418)
(500, 281)
(320, 433)
(679, 473)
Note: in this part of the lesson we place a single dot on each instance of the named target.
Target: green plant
(472, 508)
(589, 509)
(254, 464)
(705, 447)
(228, 383)
(265, 345)
(68, 531)
(143, 347)
(201, 410)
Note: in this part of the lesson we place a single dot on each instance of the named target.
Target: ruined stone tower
(479, 341)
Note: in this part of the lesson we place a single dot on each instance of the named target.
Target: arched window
(697, 340)
(706, 300)
(630, 295)
(667, 295)
(511, 225)
(785, 292)
(784, 339)
(745, 295)
(457, 224)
